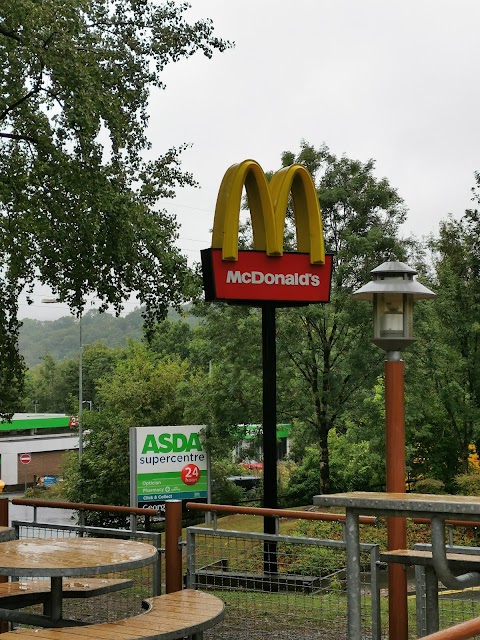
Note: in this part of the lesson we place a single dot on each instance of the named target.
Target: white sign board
(167, 463)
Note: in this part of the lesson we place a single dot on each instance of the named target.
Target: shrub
(468, 484)
(429, 485)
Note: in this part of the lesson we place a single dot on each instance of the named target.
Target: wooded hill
(60, 338)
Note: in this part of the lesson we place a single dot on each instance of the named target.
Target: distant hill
(61, 338)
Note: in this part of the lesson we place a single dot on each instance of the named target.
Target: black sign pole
(269, 431)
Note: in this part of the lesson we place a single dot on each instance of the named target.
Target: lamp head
(393, 290)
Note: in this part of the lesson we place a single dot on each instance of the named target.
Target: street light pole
(393, 291)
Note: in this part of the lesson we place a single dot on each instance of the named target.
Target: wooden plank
(413, 556)
(80, 588)
(171, 616)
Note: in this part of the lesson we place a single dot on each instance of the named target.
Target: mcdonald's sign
(267, 273)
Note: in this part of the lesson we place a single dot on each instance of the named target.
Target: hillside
(60, 338)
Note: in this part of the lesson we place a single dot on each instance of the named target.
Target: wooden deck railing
(462, 631)
(85, 506)
(275, 513)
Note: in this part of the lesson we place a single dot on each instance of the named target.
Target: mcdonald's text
(288, 279)
(256, 277)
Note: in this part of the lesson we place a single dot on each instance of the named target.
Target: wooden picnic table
(56, 558)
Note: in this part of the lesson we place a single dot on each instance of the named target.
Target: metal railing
(304, 598)
(83, 507)
(462, 631)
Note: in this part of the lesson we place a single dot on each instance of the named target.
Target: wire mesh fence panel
(454, 606)
(305, 598)
(458, 606)
(143, 582)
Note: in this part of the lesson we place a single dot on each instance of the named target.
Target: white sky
(396, 81)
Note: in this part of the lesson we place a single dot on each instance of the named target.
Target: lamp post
(80, 380)
(393, 290)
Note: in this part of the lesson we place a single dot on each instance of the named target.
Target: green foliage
(60, 338)
(142, 390)
(468, 484)
(355, 466)
(54, 492)
(443, 389)
(225, 389)
(78, 200)
(224, 491)
(52, 386)
(430, 485)
(328, 345)
(172, 338)
(304, 481)
(315, 561)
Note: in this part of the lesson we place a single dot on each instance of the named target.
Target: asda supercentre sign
(167, 463)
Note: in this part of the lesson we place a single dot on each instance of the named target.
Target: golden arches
(268, 207)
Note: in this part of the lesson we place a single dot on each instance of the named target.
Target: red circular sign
(25, 458)
(190, 474)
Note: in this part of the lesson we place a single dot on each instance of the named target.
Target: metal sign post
(270, 497)
(25, 459)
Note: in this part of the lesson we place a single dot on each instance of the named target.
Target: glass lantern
(393, 290)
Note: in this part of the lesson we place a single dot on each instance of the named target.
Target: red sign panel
(256, 277)
(25, 458)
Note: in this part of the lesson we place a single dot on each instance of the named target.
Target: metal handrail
(469, 524)
(84, 506)
(462, 631)
(275, 513)
(81, 507)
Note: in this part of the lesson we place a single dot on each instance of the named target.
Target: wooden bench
(168, 617)
(424, 558)
(458, 563)
(16, 595)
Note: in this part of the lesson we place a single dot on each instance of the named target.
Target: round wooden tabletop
(72, 556)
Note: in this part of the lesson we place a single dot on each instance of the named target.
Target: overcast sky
(396, 81)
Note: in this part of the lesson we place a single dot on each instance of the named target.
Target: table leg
(56, 598)
(354, 614)
(431, 599)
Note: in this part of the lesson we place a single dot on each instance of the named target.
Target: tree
(450, 350)
(225, 390)
(330, 344)
(78, 199)
(325, 361)
(141, 391)
(52, 386)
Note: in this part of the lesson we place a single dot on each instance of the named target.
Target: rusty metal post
(396, 475)
(3, 512)
(4, 626)
(173, 548)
